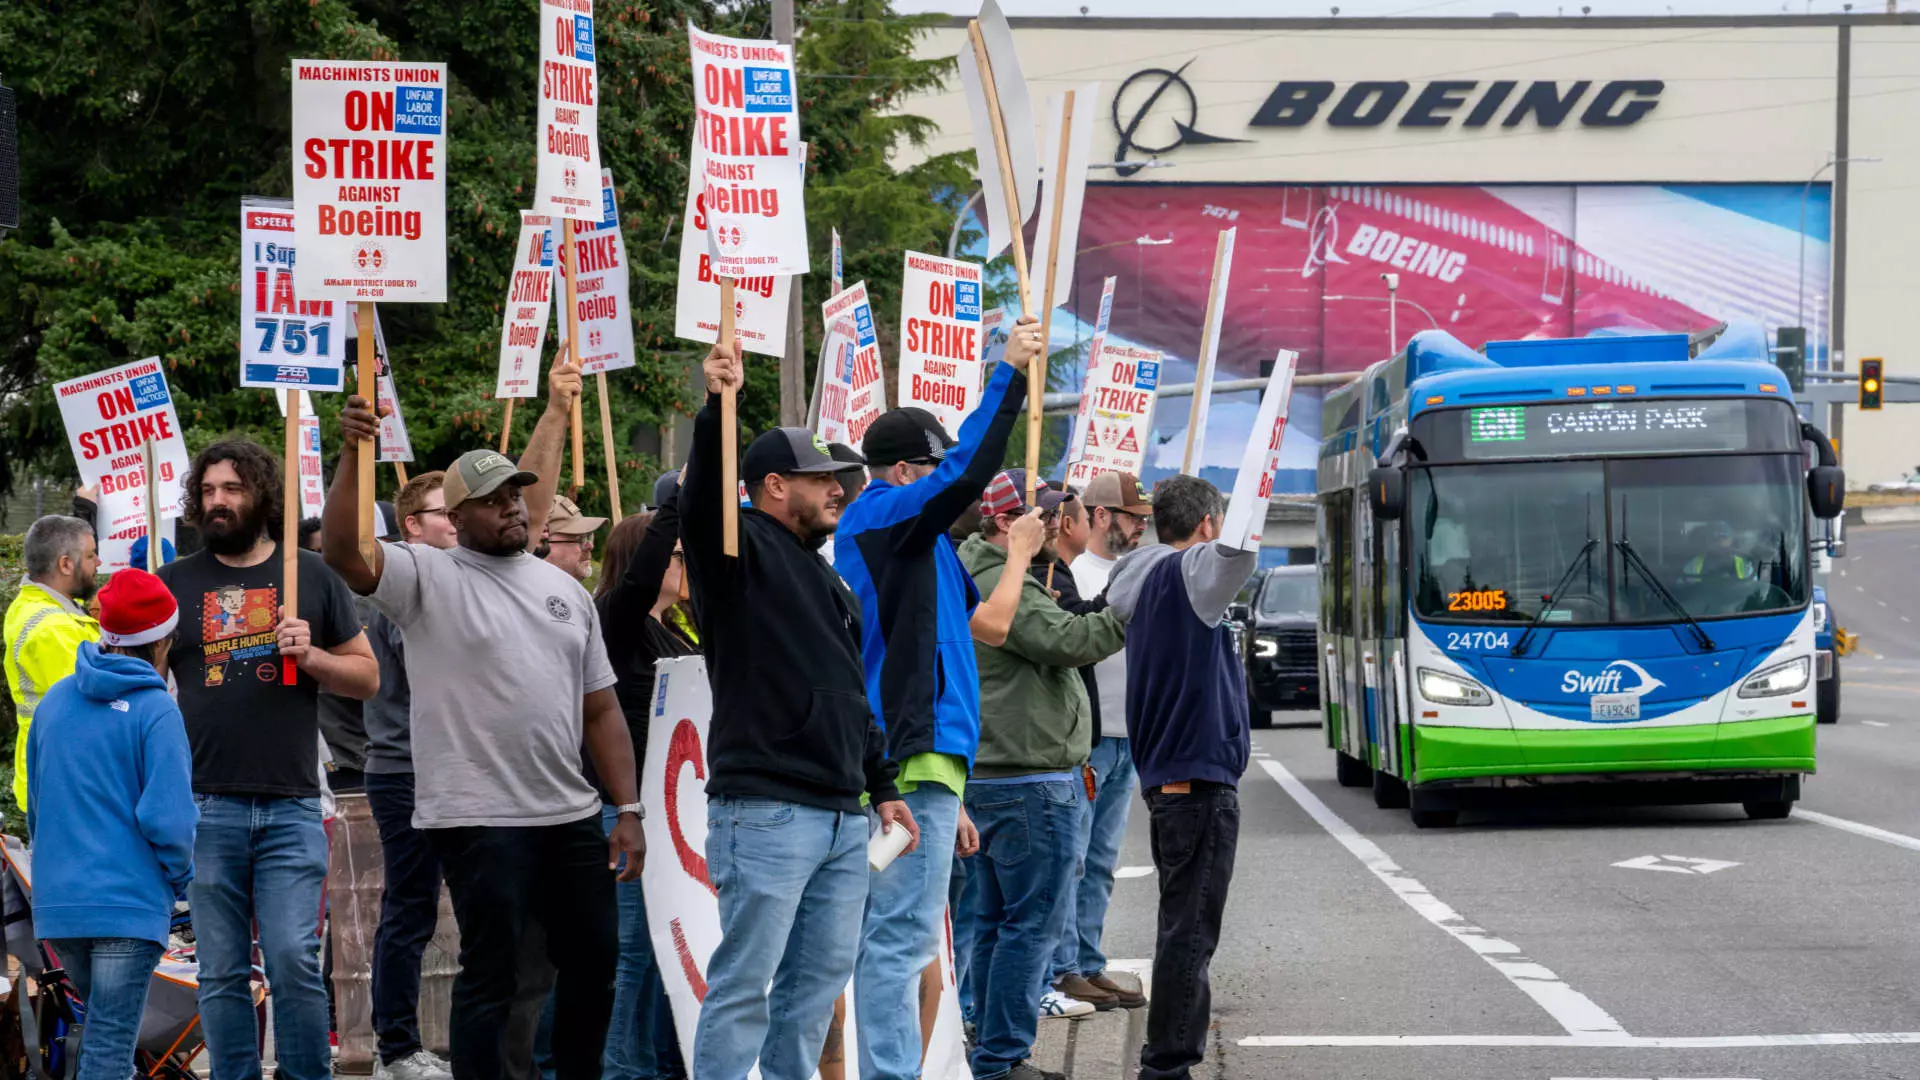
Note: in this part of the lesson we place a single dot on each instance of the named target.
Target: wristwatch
(638, 810)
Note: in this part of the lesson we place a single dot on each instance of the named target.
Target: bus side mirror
(1827, 490)
(1387, 490)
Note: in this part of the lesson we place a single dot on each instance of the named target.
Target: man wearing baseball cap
(792, 748)
(509, 676)
(111, 810)
(569, 540)
(916, 601)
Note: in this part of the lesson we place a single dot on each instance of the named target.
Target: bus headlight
(1786, 678)
(1444, 689)
(1266, 647)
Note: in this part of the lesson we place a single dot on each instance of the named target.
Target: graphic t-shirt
(251, 735)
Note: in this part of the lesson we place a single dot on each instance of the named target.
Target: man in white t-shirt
(1117, 509)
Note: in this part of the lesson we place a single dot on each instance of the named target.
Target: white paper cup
(886, 846)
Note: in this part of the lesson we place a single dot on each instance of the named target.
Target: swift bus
(1566, 562)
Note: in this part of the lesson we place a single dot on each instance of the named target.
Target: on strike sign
(600, 289)
(759, 303)
(855, 389)
(1253, 486)
(940, 337)
(109, 415)
(1120, 395)
(746, 133)
(529, 299)
(569, 116)
(313, 495)
(284, 340)
(369, 180)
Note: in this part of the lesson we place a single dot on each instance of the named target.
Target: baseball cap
(667, 488)
(136, 608)
(906, 434)
(1007, 494)
(788, 450)
(477, 473)
(565, 519)
(1118, 491)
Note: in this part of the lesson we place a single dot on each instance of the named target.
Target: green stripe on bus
(1447, 753)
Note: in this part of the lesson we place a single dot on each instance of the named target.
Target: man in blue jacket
(916, 600)
(111, 813)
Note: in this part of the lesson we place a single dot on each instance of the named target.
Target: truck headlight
(1266, 647)
(1444, 689)
(1786, 678)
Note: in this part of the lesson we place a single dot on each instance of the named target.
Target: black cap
(907, 434)
(788, 450)
(842, 452)
(667, 488)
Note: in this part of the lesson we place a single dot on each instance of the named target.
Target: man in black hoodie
(792, 747)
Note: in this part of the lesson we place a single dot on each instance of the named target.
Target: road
(1517, 945)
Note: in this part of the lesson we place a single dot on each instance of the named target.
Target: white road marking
(1572, 1010)
(1871, 832)
(1903, 618)
(1597, 1042)
(1675, 864)
(1651, 1078)
(1882, 603)
(1133, 871)
(1876, 723)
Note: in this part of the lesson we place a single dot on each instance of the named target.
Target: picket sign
(1209, 347)
(683, 911)
(940, 337)
(1118, 399)
(568, 113)
(1003, 143)
(601, 304)
(1253, 487)
(760, 303)
(858, 369)
(995, 324)
(839, 267)
(395, 445)
(108, 416)
(1065, 152)
(285, 339)
(313, 494)
(1076, 444)
(747, 146)
(523, 329)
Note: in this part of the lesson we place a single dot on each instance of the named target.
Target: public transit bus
(1571, 562)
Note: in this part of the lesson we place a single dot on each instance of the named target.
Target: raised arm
(544, 454)
(340, 516)
(1046, 634)
(1215, 573)
(700, 494)
(993, 618)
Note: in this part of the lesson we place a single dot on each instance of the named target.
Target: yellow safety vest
(44, 630)
(1697, 565)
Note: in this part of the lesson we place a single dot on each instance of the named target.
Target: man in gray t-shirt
(508, 673)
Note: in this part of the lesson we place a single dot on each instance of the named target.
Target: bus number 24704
(1477, 639)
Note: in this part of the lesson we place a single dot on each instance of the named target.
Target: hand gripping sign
(940, 337)
(746, 137)
(530, 291)
(683, 911)
(109, 416)
(1253, 487)
(284, 340)
(760, 303)
(857, 369)
(600, 290)
(568, 115)
(369, 180)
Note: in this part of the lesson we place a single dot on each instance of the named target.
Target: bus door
(1346, 725)
(1383, 646)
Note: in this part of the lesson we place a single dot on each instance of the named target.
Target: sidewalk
(1103, 1046)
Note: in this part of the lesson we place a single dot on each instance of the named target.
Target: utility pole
(793, 363)
(1837, 248)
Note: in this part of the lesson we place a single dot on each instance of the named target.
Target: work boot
(1129, 999)
(1074, 986)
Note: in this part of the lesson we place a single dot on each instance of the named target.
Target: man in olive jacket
(1036, 730)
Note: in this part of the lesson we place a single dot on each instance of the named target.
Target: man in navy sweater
(1187, 723)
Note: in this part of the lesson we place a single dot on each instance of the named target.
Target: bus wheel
(1768, 809)
(1350, 770)
(1435, 819)
(1389, 791)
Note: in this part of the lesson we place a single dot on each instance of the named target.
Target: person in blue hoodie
(111, 814)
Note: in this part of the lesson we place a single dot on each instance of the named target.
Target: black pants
(502, 879)
(409, 908)
(1194, 836)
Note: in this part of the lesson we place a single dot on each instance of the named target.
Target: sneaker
(1027, 1070)
(418, 1065)
(1128, 998)
(1055, 1005)
(1075, 986)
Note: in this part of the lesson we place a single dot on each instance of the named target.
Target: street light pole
(1806, 191)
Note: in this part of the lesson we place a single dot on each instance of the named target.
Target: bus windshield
(1724, 535)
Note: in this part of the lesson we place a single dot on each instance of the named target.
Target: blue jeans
(641, 1043)
(409, 910)
(792, 883)
(112, 976)
(260, 865)
(1103, 824)
(902, 936)
(1018, 888)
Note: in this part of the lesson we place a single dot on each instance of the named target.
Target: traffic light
(1790, 353)
(1872, 387)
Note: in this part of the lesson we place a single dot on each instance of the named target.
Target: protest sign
(1119, 416)
(568, 113)
(600, 301)
(857, 368)
(1066, 152)
(1003, 144)
(284, 340)
(369, 180)
(683, 909)
(940, 337)
(1253, 487)
(313, 495)
(109, 416)
(995, 329)
(839, 268)
(1209, 347)
(523, 331)
(836, 383)
(394, 443)
(747, 145)
(1076, 443)
(759, 303)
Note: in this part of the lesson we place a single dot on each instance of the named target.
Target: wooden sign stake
(149, 462)
(573, 341)
(400, 474)
(1204, 368)
(1057, 188)
(1036, 386)
(506, 427)
(729, 436)
(290, 512)
(368, 456)
(606, 439)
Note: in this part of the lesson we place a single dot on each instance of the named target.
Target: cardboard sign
(394, 445)
(599, 289)
(1119, 397)
(1073, 184)
(313, 494)
(759, 303)
(1016, 108)
(857, 368)
(996, 329)
(530, 292)
(746, 142)
(369, 180)
(1077, 442)
(109, 415)
(683, 911)
(839, 268)
(568, 115)
(940, 337)
(284, 340)
(1253, 487)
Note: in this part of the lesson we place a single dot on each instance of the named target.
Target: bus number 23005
(1477, 639)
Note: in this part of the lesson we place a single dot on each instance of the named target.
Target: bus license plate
(1612, 708)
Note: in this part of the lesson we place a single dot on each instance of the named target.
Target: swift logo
(1609, 680)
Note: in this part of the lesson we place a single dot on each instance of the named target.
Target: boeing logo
(1610, 680)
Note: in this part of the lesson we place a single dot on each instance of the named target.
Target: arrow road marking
(1675, 864)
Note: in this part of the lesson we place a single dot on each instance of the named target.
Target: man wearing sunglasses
(569, 542)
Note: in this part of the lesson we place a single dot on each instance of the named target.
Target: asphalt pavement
(1569, 942)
